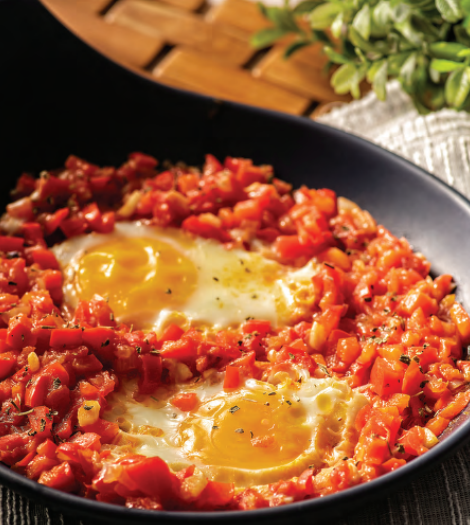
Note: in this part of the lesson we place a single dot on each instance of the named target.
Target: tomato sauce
(377, 320)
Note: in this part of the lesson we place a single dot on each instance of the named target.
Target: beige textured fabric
(440, 144)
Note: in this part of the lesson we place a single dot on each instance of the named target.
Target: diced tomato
(392, 464)
(416, 299)
(7, 363)
(258, 326)
(348, 349)
(232, 377)
(98, 338)
(462, 321)
(205, 229)
(172, 333)
(151, 476)
(182, 349)
(41, 421)
(212, 165)
(45, 258)
(53, 220)
(185, 401)
(437, 425)
(19, 332)
(413, 441)
(66, 338)
(413, 379)
(143, 161)
(40, 464)
(150, 373)
(13, 447)
(60, 477)
(288, 247)
(11, 244)
(216, 495)
(47, 448)
(73, 226)
(386, 377)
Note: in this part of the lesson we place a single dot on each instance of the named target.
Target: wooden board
(192, 45)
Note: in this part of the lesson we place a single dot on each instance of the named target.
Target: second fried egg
(256, 434)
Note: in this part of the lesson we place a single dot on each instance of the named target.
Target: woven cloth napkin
(440, 144)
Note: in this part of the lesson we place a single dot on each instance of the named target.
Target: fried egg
(257, 434)
(155, 276)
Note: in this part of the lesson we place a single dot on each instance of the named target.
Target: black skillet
(58, 96)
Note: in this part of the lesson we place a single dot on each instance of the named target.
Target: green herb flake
(405, 359)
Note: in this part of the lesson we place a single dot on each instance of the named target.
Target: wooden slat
(94, 6)
(180, 27)
(187, 5)
(120, 43)
(242, 14)
(192, 70)
(296, 76)
(312, 56)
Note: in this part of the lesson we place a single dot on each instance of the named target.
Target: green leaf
(295, 46)
(434, 75)
(465, 6)
(400, 11)
(409, 32)
(342, 78)
(464, 53)
(457, 88)
(445, 66)
(407, 69)
(462, 35)
(380, 80)
(282, 18)
(335, 57)
(381, 19)
(395, 62)
(450, 10)
(361, 43)
(361, 22)
(466, 24)
(373, 69)
(321, 36)
(306, 6)
(323, 15)
(337, 25)
(446, 50)
(347, 79)
(263, 9)
(425, 26)
(267, 36)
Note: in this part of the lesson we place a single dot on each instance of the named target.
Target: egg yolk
(261, 430)
(137, 276)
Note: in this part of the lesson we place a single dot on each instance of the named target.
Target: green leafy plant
(425, 44)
